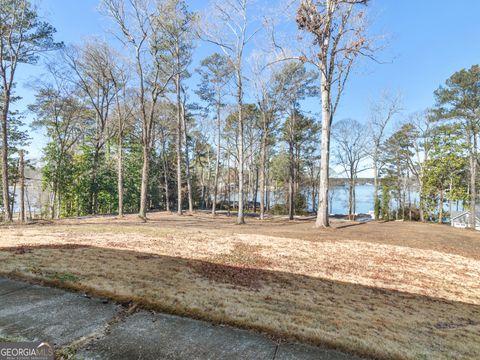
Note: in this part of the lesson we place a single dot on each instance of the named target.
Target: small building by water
(461, 219)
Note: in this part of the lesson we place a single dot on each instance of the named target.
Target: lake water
(364, 200)
(338, 196)
(339, 199)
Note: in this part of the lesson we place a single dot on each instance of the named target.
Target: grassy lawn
(385, 290)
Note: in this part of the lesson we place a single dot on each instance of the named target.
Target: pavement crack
(68, 351)
(13, 291)
(275, 353)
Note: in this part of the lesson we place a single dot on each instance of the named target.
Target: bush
(279, 209)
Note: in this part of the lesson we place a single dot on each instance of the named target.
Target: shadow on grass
(343, 226)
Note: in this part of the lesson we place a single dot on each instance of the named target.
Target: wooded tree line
(434, 152)
(128, 132)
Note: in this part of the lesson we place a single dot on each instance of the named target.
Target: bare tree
(21, 165)
(125, 115)
(187, 154)
(294, 83)
(215, 73)
(141, 28)
(22, 38)
(350, 138)
(269, 84)
(178, 28)
(95, 71)
(336, 33)
(58, 110)
(421, 140)
(165, 128)
(228, 26)
(381, 114)
(267, 104)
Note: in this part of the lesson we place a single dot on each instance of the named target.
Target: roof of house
(457, 214)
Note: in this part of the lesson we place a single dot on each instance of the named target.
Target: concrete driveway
(92, 328)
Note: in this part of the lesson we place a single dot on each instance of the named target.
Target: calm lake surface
(364, 198)
(339, 199)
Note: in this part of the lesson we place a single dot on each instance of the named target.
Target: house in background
(462, 219)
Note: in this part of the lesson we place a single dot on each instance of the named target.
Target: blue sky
(428, 40)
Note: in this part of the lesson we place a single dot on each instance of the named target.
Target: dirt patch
(240, 267)
(236, 276)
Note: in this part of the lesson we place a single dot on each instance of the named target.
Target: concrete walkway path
(98, 329)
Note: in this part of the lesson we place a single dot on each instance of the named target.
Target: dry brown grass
(393, 290)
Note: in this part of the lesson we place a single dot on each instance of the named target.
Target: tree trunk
(55, 207)
(354, 198)
(145, 178)
(208, 186)
(255, 193)
(267, 190)
(291, 152)
(249, 192)
(322, 214)
(187, 163)
(263, 159)
(440, 208)
(165, 175)
(93, 185)
(240, 217)
(96, 159)
(291, 187)
(350, 199)
(473, 186)
(120, 172)
(217, 163)
(52, 204)
(22, 187)
(228, 185)
(399, 189)
(12, 199)
(421, 205)
(409, 203)
(375, 184)
(313, 197)
(30, 217)
(59, 205)
(179, 147)
(5, 176)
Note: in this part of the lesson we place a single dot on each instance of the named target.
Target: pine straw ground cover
(369, 289)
